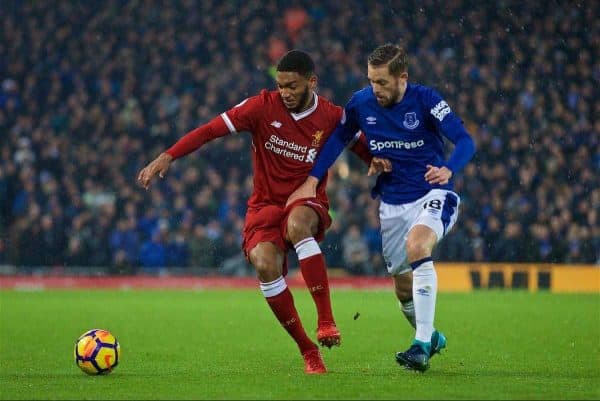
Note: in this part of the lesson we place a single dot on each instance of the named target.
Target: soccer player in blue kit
(405, 125)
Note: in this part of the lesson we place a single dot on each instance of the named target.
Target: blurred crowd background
(92, 91)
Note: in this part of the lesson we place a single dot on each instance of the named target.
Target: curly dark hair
(297, 61)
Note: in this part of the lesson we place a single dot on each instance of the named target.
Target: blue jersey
(409, 133)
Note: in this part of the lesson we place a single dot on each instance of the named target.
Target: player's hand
(308, 189)
(438, 175)
(159, 166)
(379, 165)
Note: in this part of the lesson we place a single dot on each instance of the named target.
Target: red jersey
(284, 144)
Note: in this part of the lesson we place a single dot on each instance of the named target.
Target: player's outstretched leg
(424, 296)
(314, 272)
(281, 301)
(302, 224)
(438, 339)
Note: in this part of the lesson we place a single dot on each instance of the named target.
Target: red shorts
(269, 224)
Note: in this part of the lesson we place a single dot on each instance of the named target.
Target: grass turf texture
(225, 344)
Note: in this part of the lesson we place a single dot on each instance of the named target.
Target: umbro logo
(425, 291)
(371, 120)
(276, 124)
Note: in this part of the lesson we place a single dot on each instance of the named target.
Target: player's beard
(302, 102)
(391, 99)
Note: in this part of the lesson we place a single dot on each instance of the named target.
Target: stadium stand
(91, 91)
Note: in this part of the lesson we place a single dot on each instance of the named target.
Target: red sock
(283, 307)
(314, 272)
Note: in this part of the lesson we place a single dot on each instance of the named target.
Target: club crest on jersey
(317, 136)
(410, 120)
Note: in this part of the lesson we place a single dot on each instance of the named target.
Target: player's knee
(299, 227)
(266, 269)
(296, 231)
(417, 250)
(267, 265)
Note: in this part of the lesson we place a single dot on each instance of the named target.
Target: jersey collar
(307, 112)
(406, 94)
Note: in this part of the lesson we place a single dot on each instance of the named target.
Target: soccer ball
(97, 352)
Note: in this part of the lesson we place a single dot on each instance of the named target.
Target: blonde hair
(393, 55)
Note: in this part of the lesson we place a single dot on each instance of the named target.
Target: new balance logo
(276, 124)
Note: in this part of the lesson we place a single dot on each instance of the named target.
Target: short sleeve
(244, 115)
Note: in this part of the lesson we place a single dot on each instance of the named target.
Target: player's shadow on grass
(40, 375)
(518, 373)
(462, 372)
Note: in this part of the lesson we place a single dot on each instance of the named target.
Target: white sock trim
(407, 306)
(273, 288)
(307, 247)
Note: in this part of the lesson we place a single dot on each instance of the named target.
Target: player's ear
(312, 81)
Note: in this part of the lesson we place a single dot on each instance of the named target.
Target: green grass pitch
(225, 344)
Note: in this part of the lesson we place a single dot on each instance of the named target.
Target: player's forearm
(328, 155)
(361, 149)
(464, 149)
(194, 139)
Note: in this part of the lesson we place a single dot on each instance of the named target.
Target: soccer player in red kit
(288, 127)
